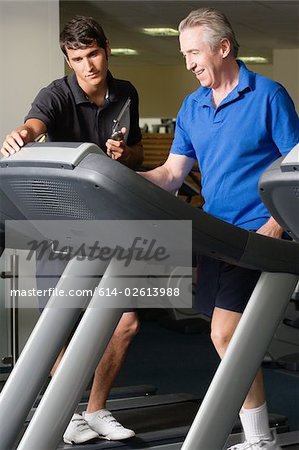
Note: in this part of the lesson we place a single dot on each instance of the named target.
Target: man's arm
(28, 132)
(171, 175)
(271, 229)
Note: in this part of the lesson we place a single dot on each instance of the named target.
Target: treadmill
(38, 185)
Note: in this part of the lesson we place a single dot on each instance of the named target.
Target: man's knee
(224, 323)
(221, 338)
(128, 326)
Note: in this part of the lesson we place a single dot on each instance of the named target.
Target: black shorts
(223, 285)
(218, 283)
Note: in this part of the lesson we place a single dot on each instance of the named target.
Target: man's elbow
(137, 156)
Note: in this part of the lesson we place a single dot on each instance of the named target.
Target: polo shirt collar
(112, 89)
(81, 97)
(78, 93)
(246, 82)
(246, 78)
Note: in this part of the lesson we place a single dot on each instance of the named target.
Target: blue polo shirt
(234, 143)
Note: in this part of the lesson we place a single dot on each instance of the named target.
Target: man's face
(205, 63)
(90, 65)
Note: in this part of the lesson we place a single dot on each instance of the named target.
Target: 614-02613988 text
(140, 292)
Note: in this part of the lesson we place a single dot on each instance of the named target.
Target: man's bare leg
(57, 362)
(112, 361)
(224, 323)
(97, 420)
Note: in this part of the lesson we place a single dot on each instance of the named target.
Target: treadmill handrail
(98, 180)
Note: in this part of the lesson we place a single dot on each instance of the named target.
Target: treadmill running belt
(163, 423)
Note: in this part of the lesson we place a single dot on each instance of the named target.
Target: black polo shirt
(71, 117)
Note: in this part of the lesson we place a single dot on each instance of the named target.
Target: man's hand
(14, 142)
(22, 135)
(117, 148)
(131, 156)
(271, 229)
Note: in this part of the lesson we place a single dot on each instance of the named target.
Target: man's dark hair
(82, 32)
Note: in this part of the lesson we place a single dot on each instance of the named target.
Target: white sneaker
(260, 445)
(78, 431)
(107, 426)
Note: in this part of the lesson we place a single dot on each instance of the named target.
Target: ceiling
(260, 26)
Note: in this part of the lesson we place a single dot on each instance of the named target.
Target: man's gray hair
(216, 25)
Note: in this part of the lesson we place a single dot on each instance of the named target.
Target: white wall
(30, 56)
(161, 88)
(30, 59)
(286, 71)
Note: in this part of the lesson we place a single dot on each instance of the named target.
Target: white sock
(255, 424)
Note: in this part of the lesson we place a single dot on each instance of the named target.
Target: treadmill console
(64, 155)
(291, 161)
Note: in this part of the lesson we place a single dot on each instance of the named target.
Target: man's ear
(225, 47)
(67, 61)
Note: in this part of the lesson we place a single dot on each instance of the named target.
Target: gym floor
(177, 362)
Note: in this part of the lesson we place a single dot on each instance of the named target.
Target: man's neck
(96, 94)
(230, 80)
(98, 97)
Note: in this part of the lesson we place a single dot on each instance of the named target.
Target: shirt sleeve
(45, 107)
(182, 144)
(283, 121)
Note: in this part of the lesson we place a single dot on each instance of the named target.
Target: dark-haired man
(81, 107)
